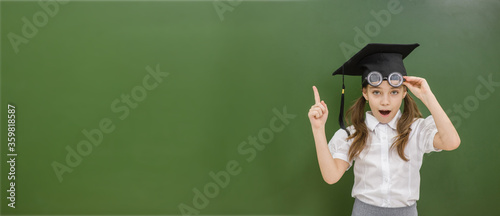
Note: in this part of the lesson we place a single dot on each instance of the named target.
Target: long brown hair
(357, 113)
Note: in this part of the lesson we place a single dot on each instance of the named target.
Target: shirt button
(386, 179)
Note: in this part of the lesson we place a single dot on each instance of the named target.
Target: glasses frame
(399, 75)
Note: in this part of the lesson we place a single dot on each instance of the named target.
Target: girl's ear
(405, 92)
(365, 94)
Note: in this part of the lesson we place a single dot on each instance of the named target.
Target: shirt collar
(372, 122)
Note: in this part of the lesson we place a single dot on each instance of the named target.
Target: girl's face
(384, 100)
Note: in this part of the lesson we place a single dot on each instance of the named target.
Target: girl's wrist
(318, 129)
(428, 98)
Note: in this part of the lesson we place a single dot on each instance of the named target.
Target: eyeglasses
(375, 78)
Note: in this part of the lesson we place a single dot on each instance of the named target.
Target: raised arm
(447, 137)
(331, 169)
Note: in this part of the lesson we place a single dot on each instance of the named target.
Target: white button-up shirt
(381, 177)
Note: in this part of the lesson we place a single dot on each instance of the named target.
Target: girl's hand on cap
(418, 86)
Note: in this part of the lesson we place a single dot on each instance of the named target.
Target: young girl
(387, 144)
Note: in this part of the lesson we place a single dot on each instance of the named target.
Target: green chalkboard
(200, 107)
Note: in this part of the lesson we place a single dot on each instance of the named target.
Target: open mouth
(385, 112)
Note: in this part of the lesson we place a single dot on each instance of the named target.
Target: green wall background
(227, 79)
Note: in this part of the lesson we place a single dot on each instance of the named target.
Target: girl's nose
(385, 100)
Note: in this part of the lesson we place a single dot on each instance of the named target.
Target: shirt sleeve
(339, 147)
(425, 138)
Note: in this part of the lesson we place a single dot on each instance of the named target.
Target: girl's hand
(418, 86)
(318, 112)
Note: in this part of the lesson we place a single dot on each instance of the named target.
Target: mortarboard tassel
(341, 114)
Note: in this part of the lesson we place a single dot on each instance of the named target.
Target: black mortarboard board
(384, 58)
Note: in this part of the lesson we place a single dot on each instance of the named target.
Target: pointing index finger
(316, 95)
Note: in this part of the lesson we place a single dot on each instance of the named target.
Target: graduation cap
(384, 58)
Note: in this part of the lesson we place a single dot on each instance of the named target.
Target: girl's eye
(376, 92)
(394, 92)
